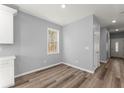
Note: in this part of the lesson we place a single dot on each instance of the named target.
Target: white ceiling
(53, 12)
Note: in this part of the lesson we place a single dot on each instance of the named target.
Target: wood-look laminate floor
(109, 75)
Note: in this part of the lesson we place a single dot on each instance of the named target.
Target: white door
(117, 48)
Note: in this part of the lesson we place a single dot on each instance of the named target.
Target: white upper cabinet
(6, 24)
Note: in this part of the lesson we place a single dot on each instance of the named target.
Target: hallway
(110, 75)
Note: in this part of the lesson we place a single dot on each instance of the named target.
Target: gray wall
(77, 37)
(30, 46)
(104, 45)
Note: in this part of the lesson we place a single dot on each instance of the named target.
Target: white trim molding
(8, 9)
(35, 70)
(89, 71)
(104, 61)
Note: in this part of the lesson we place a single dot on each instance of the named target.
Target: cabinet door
(7, 73)
(6, 28)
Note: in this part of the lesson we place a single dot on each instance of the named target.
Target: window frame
(54, 30)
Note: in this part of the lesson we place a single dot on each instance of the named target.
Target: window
(116, 46)
(52, 41)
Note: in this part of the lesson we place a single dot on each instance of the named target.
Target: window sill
(52, 53)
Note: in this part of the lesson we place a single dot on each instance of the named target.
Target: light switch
(86, 48)
(0, 49)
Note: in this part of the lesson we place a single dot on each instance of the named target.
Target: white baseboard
(35, 70)
(104, 61)
(78, 67)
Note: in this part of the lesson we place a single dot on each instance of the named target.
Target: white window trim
(55, 30)
(116, 46)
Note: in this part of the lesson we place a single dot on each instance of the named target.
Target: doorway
(117, 47)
